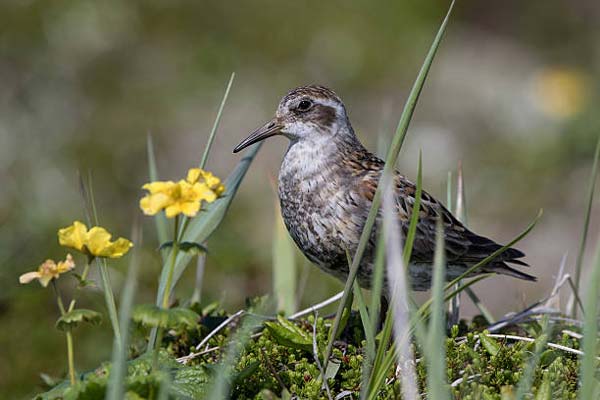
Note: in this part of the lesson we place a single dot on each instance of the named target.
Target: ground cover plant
(176, 348)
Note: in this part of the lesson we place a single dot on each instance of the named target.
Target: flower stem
(110, 300)
(70, 357)
(167, 293)
(84, 275)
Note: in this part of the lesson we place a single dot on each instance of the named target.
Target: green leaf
(332, 370)
(166, 245)
(71, 319)
(151, 315)
(190, 382)
(192, 248)
(286, 333)
(83, 283)
(489, 344)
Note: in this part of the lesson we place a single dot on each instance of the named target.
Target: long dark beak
(269, 129)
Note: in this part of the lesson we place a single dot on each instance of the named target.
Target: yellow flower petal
(173, 210)
(190, 208)
(212, 181)
(153, 203)
(193, 175)
(65, 266)
(159, 186)
(184, 196)
(117, 249)
(98, 239)
(204, 193)
(73, 236)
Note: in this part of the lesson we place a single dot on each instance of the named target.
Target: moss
(267, 368)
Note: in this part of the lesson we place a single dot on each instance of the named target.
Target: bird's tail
(504, 269)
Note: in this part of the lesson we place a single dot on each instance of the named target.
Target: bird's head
(305, 112)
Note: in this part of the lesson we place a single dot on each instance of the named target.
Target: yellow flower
(198, 175)
(48, 270)
(183, 197)
(94, 242)
(160, 197)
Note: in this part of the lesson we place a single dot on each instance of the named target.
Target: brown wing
(463, 247)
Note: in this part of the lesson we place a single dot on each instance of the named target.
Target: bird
(326, 185)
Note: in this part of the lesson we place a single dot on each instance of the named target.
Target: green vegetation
(175, 348)
(274, 364)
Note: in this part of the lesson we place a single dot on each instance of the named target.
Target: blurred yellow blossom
(560, 92)
(198, 175)
(183, 197)
(48, 270)
(94, 242)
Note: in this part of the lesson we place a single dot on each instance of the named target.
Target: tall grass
(390, 162)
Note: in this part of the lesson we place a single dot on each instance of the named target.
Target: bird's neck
(319, 155)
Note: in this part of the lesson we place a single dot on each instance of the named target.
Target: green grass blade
(201, 227)
(454, 305)
(116, 388)
(92, 218)
(461, 213)
(374, 310)
(588, 380)
(391, 159)
(201, 259)
(435, 352)
(586, 224)
(379, 362)
(399, 304)
(366, 320)
(487, 314)
(284, 267)
(213, 132)
(377, 284)
(160, 220)
(414, 217)
(461, 198)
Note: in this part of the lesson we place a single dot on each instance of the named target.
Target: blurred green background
(513, 93)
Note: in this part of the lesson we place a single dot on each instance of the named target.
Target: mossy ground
(269, 367)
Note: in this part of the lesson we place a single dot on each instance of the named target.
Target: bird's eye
(304, 105)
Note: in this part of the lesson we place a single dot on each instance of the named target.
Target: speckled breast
(320, 208)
